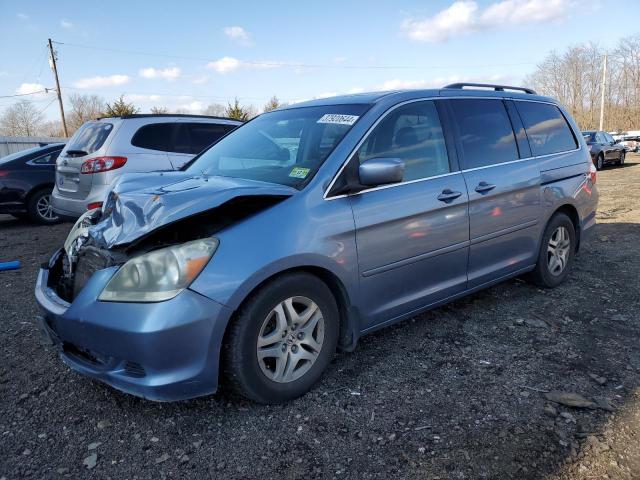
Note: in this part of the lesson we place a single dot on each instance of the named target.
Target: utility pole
(55, 74)
(604, 83)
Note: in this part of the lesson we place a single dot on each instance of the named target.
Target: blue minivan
(310, 226)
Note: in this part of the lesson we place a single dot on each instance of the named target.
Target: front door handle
(448, 195)
(484, 187)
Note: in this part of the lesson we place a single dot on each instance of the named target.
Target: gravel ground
(454, 393)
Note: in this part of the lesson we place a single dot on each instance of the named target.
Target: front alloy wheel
(622, 155)
(282, 338)
(290, 339)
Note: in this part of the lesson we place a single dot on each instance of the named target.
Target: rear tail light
(102, 164)
(4, 173)
(94, 205)
(590, 147)
(593, 173)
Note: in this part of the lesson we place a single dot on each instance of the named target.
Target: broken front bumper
(161, 351)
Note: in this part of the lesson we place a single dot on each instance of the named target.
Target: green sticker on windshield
(299, 172)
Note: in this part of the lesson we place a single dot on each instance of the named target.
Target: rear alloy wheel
(599, 162)
(40, 208)
(623, 154)
(282, 339)
(556, 252)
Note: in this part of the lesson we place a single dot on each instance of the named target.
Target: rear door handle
(448, 195)
(484, 187)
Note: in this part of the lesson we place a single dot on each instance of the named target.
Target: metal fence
(10, 145)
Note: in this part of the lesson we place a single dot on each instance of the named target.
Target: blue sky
(192, 53)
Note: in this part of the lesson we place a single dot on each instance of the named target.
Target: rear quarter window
(547, 129)
(155, 136)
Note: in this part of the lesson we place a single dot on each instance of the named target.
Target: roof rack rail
(147, 115)
(497, 88)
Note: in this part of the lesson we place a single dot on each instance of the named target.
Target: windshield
(90, 137)
(284, 146)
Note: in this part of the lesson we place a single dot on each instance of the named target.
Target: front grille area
(89, 262)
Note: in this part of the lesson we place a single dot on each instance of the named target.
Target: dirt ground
(457, 393)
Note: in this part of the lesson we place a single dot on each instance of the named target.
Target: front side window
(546, 127)
(90, 137)
(284, 146)
(413, 134)
(485, 132)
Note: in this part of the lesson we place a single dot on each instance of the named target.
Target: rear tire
(557, 250)
(282, 339)
(39, 208)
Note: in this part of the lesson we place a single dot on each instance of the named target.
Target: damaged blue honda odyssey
(310, 226)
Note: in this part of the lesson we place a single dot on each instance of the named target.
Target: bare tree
(21, 119)
(273, 104)
(159, 110)
(215, 110)
(575, 79)
(52, 128)
(84, 108)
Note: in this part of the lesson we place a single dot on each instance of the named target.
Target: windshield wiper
(76, 153)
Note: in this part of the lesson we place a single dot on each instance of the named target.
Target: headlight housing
(159, 275)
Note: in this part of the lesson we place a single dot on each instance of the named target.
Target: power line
(46, 90)
(268, 64)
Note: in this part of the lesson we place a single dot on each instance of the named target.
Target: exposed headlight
(161, 274)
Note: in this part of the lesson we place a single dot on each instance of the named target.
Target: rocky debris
(569, 399)
(162, 458)
(598, 379)
(90, 461)
(93, 445)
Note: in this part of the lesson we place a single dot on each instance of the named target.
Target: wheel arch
(572, 212)
(37, 189)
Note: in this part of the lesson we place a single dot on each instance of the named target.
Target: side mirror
(381, 171)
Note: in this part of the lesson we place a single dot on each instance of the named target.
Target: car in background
(603, 148)
(26, 180)
(104, 149)
(630, 143)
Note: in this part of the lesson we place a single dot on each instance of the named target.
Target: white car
(104, 149)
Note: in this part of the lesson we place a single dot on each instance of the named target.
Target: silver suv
(102, 150)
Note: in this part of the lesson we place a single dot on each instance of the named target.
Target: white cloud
(238, 34)
(3, 73)
(23, 16)
(183, 103)
(199, 80)
(66, 24)
(439, 82)
(230, 64)
(169, 74)
(465, 17)
(355, 90)
(99, 81)
(26, 88)
(224, 65)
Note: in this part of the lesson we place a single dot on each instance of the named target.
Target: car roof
(454, 90)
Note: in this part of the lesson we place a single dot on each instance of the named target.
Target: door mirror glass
(381, 171)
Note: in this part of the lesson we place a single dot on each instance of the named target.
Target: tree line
(24, 119)
(574, 77)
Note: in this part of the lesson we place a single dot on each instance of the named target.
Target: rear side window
(90, 137)
(546, 127)
(413, 134)
(155, 136)
(486, 135)
(201, 135)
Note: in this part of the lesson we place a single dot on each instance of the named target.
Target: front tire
(600, 162)
(622, 157)
(39, 208)
(282, 339)
(557, 250)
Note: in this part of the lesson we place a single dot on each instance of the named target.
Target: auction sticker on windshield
(299, 172)
(338, 118)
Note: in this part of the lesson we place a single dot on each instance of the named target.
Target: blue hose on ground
(15, 265)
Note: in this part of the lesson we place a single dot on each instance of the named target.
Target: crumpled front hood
(140, 203)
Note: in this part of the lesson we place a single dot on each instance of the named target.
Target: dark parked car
(604, 149)
(26, 180)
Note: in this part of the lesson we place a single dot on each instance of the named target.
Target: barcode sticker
(338, 118)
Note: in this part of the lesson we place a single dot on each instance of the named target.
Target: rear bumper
(160, 351)
(74, 207)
